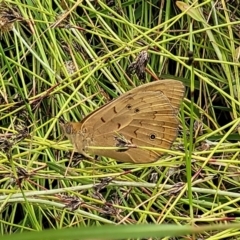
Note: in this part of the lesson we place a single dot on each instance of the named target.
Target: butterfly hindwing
(145, 119)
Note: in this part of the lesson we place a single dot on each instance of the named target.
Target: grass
(52, 70)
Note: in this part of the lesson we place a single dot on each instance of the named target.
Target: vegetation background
(67, 58)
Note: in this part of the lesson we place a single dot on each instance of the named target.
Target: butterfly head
(73, 132)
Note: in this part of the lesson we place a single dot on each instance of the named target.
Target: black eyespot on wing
(152, 136)
(136, 110)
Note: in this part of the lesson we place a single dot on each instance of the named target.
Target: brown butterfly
(145, 116)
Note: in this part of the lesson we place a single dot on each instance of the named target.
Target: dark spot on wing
(135, 132)
(136, 110)
(102, 119)
(129, 106)
(152, 136)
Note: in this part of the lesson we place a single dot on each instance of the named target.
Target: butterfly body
(145, 116)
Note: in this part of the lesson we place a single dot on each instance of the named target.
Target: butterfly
(145, 116)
